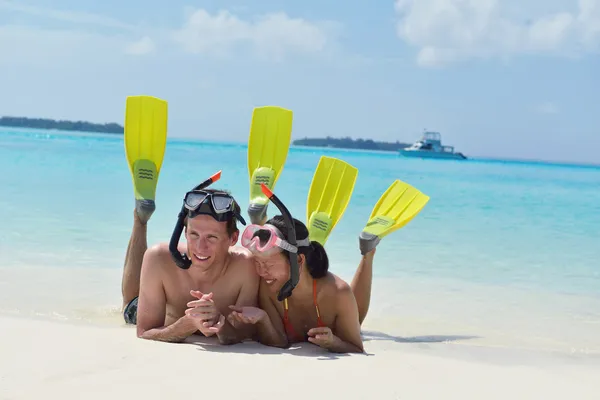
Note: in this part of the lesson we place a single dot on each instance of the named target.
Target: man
(169, 302)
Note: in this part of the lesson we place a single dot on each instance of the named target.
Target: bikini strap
(285, 309)
(286, 321)
(289, 328)
(319, 321)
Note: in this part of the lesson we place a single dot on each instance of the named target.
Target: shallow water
(505, 253)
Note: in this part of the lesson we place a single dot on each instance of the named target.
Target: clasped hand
(204, 313)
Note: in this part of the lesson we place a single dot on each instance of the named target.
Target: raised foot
(257, 213)
(144, 209)
(367, 242)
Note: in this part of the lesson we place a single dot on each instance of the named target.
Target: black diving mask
(288, 287)
(219, 205)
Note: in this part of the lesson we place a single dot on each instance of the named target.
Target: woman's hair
(317, 261)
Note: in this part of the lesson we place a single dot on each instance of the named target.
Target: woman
(322, 308)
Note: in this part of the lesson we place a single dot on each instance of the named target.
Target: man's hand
(203, 312)
(247, 315)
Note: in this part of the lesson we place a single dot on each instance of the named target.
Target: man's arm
(152, 303)
(346, 330)
(271, 331)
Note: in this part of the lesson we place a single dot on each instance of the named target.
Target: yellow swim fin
(328, 196)
(145, 142)
(268, 145)
(395, 208)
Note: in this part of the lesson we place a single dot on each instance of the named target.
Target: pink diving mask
(267, 239)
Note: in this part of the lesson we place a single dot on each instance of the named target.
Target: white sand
(53, 360)
(494, 316)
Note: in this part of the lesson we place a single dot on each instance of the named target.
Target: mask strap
(286, 290)
(181, 259)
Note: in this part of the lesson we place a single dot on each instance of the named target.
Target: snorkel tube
(182, 260)
(286, 290)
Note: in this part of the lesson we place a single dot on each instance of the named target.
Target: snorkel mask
(269, 239)
(219, 205)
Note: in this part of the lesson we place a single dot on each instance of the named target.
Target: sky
(495, 78)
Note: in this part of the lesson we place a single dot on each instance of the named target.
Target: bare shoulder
(243, 277)
(333, 285)
(242, 263)
(157, 258)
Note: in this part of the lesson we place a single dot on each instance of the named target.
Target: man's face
(207, 240)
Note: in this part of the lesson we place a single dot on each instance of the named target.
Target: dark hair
(231, 223)
(317, 261)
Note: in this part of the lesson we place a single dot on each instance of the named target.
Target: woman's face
(273, 269)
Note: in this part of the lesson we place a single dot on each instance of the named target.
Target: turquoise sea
(505, 254)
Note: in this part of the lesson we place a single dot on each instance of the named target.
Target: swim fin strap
(329, 194)
(398, 205)
(268, 145)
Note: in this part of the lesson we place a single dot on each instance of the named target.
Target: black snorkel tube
(286, 290)
(182, 260)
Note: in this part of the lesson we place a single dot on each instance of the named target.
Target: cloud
(26, 45)
(22, 45)
(75, 41)
(65, 16)
(271, 35)
(143, 46)
(449, 31)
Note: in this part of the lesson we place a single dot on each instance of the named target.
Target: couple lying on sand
(276, 288)
(232, 292)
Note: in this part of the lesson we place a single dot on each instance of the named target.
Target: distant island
(349, 143)
(43, 123)
(114, 128)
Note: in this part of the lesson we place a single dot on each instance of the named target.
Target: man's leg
(130, 284)
(361, 284)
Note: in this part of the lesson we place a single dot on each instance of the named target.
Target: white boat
(430, 146)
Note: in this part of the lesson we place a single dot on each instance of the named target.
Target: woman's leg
(361, 284)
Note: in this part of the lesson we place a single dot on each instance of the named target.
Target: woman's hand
(322, 337)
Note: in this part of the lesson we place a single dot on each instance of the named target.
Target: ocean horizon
(243, 143)
(505, 254)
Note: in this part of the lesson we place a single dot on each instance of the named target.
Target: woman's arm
(270, 328)
(346, 329)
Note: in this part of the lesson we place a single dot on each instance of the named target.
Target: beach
(491, 292)
(43, 359)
